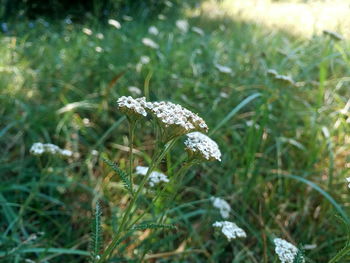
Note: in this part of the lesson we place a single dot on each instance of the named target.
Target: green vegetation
(285, 146)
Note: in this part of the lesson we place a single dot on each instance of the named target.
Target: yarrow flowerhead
(39, 148)
(154, 178)
(150, 43)
(222, 205)
(286, 251)
(230, 230)
(199, 145)
(133, 108)
(175, 119)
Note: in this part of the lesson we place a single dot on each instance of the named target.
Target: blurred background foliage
(78, 9)
(285, 151)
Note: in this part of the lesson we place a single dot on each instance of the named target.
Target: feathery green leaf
(96, 236)
(123, 176)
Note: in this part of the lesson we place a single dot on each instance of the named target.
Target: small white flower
(168, 3)
(141, 170)
(127, 18)
(309, 246)
(230, 230)
(224, 95)
(98, 49)
(94, 153)
(157, 177)
(153, 30)
(223, 69)
(87, 31)
(154, 178)
(286, 251)
(144, 60)
(51, 148)
(199, 144)
(66, 153)
(150, 43)
(348, 180)
(114, 23)
(100, 36)
(198, 30)
(222, 205)
(161, 17)
(37, 148)
(41, 148)
(131, 106)
(182, 25)
(134, 90)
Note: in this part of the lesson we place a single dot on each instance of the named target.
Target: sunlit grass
(302, 18)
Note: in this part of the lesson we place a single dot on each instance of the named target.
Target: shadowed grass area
(285, 147)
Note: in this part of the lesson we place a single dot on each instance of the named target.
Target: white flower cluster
(201, 145)
(150, 43)
(39, 148)
(131, 106)
(178, 118)
(182, 25)
(153, 30)
(154, 178)
(222, 205)
(230, 230)
(348, 180)
(286, 251)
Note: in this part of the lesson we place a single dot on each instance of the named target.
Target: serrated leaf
(96, 236)
(123, 176)
(299, 258)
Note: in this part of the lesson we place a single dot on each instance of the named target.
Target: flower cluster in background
(230, 230)
(222, 205)
(39, 148)
(154, 177)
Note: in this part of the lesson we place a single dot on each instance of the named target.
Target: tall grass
(285, 148)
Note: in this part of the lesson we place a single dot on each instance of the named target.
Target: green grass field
(285, 147)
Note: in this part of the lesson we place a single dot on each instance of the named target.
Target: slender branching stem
(156, 160)
(132, 125)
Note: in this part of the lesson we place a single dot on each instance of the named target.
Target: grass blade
(322, 192)
(235, 110)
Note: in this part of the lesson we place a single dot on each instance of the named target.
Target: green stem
(154, 163)
(132, 126)
(180, 173)
(159, 194)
